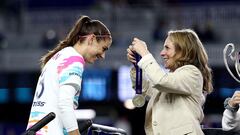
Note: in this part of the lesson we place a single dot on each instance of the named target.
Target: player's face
(97, 50)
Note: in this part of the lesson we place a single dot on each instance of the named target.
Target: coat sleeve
(184, 80)
(231, 121)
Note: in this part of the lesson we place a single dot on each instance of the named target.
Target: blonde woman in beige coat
(177, 96)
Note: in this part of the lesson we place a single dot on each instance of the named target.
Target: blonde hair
(190, 50)
(84, 26)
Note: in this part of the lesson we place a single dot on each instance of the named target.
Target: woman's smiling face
(168, 53)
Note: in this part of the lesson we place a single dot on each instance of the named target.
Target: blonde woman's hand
(130, 55)
(139, 47)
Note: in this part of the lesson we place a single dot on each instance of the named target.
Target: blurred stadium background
(28, 28)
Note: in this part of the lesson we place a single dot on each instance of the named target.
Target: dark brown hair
(84, 26)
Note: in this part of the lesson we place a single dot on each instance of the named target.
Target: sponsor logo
(74, 74)
(38, 103)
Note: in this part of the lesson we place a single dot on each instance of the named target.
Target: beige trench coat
(176, 99)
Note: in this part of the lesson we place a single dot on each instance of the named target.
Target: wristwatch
(227, 106)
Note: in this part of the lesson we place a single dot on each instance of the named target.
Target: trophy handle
(234, 58)
(237, 63)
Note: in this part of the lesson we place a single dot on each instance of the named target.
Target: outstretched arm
(231, 115)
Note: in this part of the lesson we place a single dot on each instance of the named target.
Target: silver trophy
(235, 57)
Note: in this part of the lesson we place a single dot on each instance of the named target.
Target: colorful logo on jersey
(70, 67)
(68, 61)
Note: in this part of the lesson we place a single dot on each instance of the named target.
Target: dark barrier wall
(218, 131)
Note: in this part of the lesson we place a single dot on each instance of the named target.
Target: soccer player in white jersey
(59, 84)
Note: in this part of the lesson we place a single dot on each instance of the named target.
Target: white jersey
(64, 68)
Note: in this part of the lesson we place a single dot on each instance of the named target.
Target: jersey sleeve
(70, 71)
(65, 106)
